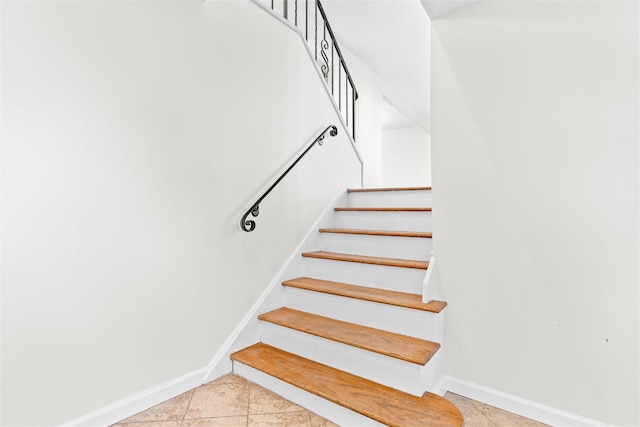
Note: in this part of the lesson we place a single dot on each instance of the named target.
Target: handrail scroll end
(250, 225)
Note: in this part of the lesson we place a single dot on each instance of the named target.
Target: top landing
(366, 190)
(398, 197)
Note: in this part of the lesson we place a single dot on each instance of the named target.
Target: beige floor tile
(318, 421)
(263, 401)
(219, 400)
(232, 401)
(216, 422)
(478, 414)
(150, 424)
(172, 409)
(230, 379)
(285, 419)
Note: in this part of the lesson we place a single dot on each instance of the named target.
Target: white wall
(535, 171)
(406, 157)
(133, 135)
(368, 109)
(374, 93)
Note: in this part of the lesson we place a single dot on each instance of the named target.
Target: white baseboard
(219, 365)
(517, 405)
(429, 285)
(138, 402)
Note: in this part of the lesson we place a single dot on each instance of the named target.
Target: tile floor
(232, 401)
(478, 414)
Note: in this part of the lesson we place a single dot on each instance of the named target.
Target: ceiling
(392, 118)
(393, 38)
(438, 8)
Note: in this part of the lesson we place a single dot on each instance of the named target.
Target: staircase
(354, 342)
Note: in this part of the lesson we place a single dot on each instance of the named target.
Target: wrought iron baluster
(333, 64)
(353, 111)
(340, 86)
(321, 44)
(324, 46)
(306, 20)
(346, 90)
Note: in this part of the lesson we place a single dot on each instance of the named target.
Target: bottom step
(378, 402)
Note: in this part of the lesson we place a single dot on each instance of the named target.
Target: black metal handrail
(332, 64)
(254, 210)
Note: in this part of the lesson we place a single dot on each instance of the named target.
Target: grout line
(248, 402)
(281, 412)
(188, 406)
(217, 417)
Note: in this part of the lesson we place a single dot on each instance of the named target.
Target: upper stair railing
(309, 17)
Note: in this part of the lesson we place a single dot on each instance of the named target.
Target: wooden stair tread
(364, 259)
(388, 209)
(422, 234)
(382, 296)
(403, 347)
(367, 190)
(381, 403)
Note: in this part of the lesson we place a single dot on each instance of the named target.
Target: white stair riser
(382, 246)
(400, 320)
(421, 198)
(389, 371)
(432, 372)
(402, 221)
(329, 410)
(428, 373)
(375, 276)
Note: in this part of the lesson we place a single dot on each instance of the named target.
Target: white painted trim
(138, 402)
(214, 369)
(429, 283)
(315, 66)
(439, 388)
(517, 405)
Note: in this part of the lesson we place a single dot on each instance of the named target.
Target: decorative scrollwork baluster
(331, 64)
(324, 44)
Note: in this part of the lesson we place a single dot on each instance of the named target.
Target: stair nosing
(376, 295)
(371, 260)
(333, 329)
(351, 391)
(391, 233)
(381, 189)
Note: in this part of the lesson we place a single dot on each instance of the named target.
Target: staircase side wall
(134, 136)
(535, 175)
